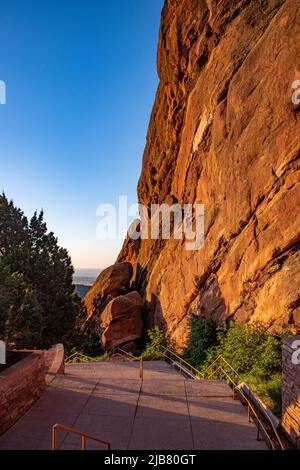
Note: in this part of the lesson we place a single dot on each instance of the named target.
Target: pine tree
(40, 274)
(14, 237)
(51, 273)
(21, 321)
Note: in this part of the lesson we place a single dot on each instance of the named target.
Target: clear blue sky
(81, 80)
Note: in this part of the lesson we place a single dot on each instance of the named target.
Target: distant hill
(86, 276)
(81, 290)
(84, 279)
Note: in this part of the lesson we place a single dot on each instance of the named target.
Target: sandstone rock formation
(121, 322)
(111, 283)
(224, 133)
(114, 314)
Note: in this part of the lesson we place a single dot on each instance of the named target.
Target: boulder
(121, 321)
(111, 283)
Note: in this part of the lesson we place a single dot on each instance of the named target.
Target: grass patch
(270, 391)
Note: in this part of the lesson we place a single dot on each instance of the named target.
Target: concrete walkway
(109, 401)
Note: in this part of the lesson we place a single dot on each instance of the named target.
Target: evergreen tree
(21, 321)
(51, 274)
(14, 239)
(40, 274)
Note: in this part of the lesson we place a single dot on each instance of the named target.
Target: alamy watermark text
(2, 92)
(156, 222)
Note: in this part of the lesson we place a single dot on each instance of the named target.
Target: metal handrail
(83, 435)
(77, 354)
(184, 370)
(165, 351)
(131, 357)
(250, 406)
(224, 360)
(234, 384)
(179, 365)
(123, 353)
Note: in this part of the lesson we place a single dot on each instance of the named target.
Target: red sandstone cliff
(225, 133)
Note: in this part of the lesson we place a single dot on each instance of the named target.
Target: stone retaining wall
(55, 360)
(20, 386)
(291, 390)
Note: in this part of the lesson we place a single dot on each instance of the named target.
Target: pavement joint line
(190, 421)
(135, 413)
(80, 412)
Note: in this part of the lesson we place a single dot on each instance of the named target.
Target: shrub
(270, 391)
(239, 345)
(202, 338)
(157, 339)
(252, 352)
(268, 356)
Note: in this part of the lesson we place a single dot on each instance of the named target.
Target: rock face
(112, 282)
(121, 322)
(224, 133)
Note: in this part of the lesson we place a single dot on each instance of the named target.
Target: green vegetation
(80, 359)
(202, 338)
(253, 353)
(156, 339)
(20, 313)
(269, 390)
(38, 305)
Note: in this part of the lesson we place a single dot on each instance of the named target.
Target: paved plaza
(163, 412)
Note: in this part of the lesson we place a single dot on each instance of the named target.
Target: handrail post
(141, 368)
(54, 440)
(84, 436)
(270, 443)
(258, 431)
